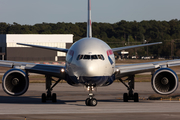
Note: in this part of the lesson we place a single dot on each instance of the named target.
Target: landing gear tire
(93, 102)
(87, 102)
(130, 87)
(49, 87)
(54, 100)
(90, 101)
(125, 97)
(52, 97)
(136, 97)
(43, 98)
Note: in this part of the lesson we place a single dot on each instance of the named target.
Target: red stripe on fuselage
(109, 52)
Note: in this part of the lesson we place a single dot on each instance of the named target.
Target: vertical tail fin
(89, 25)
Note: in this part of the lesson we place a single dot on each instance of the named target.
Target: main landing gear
(90, 101)
(49, 88)
(130, 87)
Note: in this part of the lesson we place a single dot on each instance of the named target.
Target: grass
(143, 78)
(164, 97)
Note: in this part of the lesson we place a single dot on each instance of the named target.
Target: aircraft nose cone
(90, 70)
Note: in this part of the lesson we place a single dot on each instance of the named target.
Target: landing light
(117, 71)
(62, 70)
(90, 88)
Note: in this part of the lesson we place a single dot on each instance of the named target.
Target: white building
(13, 51)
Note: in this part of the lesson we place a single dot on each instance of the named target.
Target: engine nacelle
(15, 82)
(164, 81)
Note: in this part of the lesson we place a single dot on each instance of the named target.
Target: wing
(52, 70)
(45, 47)
(131, 69)
(134, 46)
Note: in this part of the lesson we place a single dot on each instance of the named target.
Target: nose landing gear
(90, 101)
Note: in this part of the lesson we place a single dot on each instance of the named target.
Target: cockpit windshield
(87, 57)
(101, 57)
(80, 57)
(92, 57)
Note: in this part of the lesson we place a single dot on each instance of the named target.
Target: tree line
(116, 35)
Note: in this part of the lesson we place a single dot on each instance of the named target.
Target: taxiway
(71, 104)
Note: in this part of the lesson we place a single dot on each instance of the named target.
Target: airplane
(90, 62)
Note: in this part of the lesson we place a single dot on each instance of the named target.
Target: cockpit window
(100, 57)
(92, 57)
(80, 57)
(87, 57)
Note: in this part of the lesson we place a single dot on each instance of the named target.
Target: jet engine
(15, 82)
(164, 81)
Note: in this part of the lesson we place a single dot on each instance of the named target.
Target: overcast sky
(111, 11)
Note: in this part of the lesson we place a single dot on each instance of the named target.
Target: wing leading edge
(52, 70)
(45, 47)
(131, 69)
(134, 46)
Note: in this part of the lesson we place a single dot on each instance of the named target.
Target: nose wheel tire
(91, 102)
(87, 101)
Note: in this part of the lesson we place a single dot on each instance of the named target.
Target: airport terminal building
(9, 50)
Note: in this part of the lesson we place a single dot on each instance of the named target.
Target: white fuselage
(90, 61)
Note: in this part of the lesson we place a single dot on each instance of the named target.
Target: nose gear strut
(90, 101)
